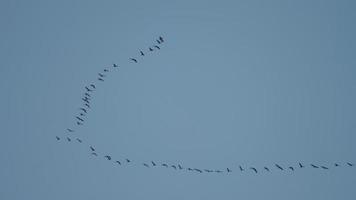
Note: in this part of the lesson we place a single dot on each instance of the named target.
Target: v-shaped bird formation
(83, 111)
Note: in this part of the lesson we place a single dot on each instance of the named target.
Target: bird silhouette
(161, 39)
(350, 164)
(241, 169)
(198, 170)
(133, 59)
(146, 165)
(153, 163)
(80, 119)
(101, 75)
(94, 154)
(100, 79)
(254, 169)
(218, 171)
(82, 114)
(106, 70)
(108, 157)
(142, 54)
(179, 166)
(79, 124)
(79, 140)
(86, 100)
(69, 139)
(324, 167)
(127, 160)
(87, 94)
(336, 165)
(291, 168)
(88, 90)
(92, 148)
(173, 166)
(58, 138)
(228, 170)
(157, 47)
(314, 166)
(164, 165)
(266, 168)
(83, 109)
(87, 105)
(279, 167)
(118, 162)
(159, 42)
(114, 65)
(93, 86)
(70, 130)
(300, 165)
(150, 49)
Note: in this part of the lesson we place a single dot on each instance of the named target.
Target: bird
(314, 166)
(266, 168)
(291, 168)
(81, 114)
(164, 165)
(133, 59)
(206, 170)
(114, 65)
(83, 109)
(159, 42)
(146, 165)
(150, 49)
(108, 157)
(228, 170)
(189, 169)
(87, 105)
(157, 47)
(254, 169)
(241, 169)
(92, 148)
(279, 167)
(79, 124)
(86, 100)
(142, 54)
(153, 163)
(324, 167)
(173, 166)
(127, 160)
(58, 138)
(69, 139)
(79, 140)
(218, 171)
(350, 164)
(161, 39)
(94, 154)
(100, 79)
(93, 86)
(300, 165)
(118, 162)
(87, 94)
(106, 70)
(198, 170)
(88, 90)
(336, 165)
(179, 166)
(101, 75)
(70, 130)
(80, 119)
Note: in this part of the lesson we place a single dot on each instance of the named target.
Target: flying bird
(88, 90)
(266, 168)
(173, 166)
(93, 86)
(161, 39)
(118, 162)
(142, 54)
(79, 140)
(228, 170)
(291, 168)
(146, 165)
(165, 165)
(79, 124)
(241, 169)
(58, 138)
(336, 165)
(92, 148)
(70, 130)
(153, 163)
(159, 42)
(84, 110)
(82, 114)
(127, 160)
(80, 119)
(324, 167)
(86, 100)
(350, 164)
(157, 47)
(279, 167)
(198, 170)
(114, 65)
(300, 165)
(94, 154)
(106, 70)
(101, 75)
(87, 105)
(69, 139)
(218, 171)
(254, 169)
(150, 49)
(108, 157)
(314, 166)
(189, 169)
(179, 166)
(133, 59)
(100, 79)
(87, 94)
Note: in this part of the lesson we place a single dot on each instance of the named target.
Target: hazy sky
(248, 83)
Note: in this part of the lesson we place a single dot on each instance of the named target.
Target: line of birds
(240, 168)
(89, 89)
(84, 109)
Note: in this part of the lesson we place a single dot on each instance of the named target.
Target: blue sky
(248, 83)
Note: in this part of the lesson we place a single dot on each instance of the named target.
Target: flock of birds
(86, 106)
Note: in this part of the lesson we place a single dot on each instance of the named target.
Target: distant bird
(100, 79)
(70, 130)
(179, 166)
(198, 170)
(87, 105)
(336, 165)
(79, 124)
(189, 169)
(350, 164)
(133, 59)
(157, 47)
(142, 54)
(101, 75)
(218, 171)
(69, 139)
(314, 166)
(146, 165)
(83, 109)
(153, 163)
(82, 114)
(106, 70)
(88, 90)
(79, 140)
(254, 169)
(93, 86)
(164, 165)
(206, 170)
(118, 162)
(161, 39)
(127, 160)
(324, 167)
(87, 94)
(86, 100)
(114, 65)
(266, 168)
(94, 154)
(300, 165)
(108, 157)
(241, 169)
(291, 168)
(150, 49)
(80, 119)
(173, 166)
(228, 170)
(58, 138)
(159, 42)
(279, 167)
(92, 148)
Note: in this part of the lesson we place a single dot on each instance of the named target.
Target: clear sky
(248, 83)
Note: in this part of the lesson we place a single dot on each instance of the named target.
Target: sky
(249, 83)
